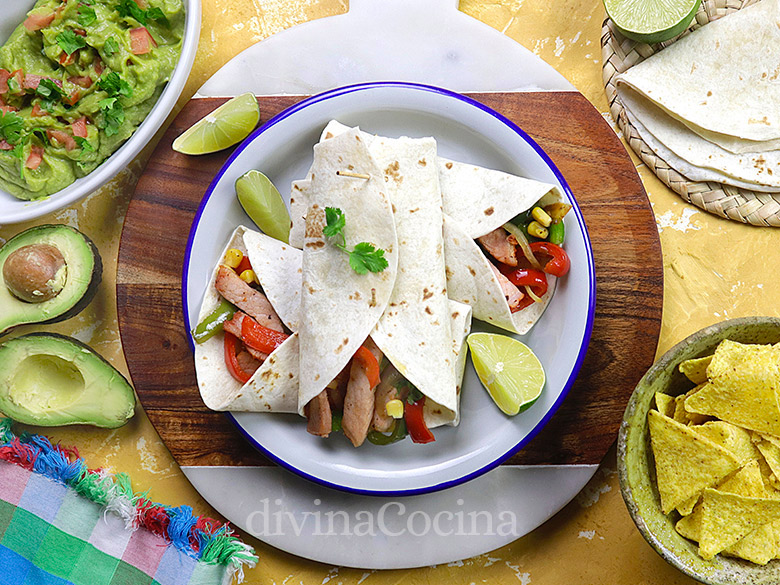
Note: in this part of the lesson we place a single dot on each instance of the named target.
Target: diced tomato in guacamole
(77, 78)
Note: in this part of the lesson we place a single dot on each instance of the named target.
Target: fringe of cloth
(205, 539)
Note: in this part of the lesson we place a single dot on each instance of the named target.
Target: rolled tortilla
(414, 332)
(477, 200)
(340, 307)
(471, 280)
(273, 387)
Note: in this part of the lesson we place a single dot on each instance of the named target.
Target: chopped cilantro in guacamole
(76, 80)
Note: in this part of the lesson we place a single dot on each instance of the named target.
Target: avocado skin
(95, 278)
(98, 367)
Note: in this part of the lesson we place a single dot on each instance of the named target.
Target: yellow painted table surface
(714, 269)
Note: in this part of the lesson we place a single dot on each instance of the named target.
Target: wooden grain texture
(626, 249)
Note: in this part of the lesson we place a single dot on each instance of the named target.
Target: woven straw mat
(620, 53)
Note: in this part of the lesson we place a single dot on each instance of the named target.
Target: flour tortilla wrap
(435, 414)
(721, 80)
(480, 200)
(340, 307)
(471, 280)
(414, 332)
(273, 387)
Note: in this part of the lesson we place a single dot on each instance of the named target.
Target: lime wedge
(228, 124)
(508, 369)
(264, 205)
(651, 21)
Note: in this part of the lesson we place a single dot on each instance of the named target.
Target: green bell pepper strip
(557, 233)
(212, 324)
(399, 432)
(335, 424)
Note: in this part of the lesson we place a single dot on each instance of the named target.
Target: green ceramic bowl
(635, 463)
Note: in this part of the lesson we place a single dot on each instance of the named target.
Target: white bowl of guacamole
(84, 86)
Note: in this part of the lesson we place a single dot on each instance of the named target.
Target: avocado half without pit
(47, 273)
(48, 379)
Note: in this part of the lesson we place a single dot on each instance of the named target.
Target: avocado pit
(35, 273)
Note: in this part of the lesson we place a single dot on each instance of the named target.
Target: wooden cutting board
(602, 177)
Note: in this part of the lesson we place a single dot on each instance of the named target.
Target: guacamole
(77, 77)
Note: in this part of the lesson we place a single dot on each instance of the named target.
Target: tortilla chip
(696, 369)
(665, 404)
(688, 505)
(771, 454)
(734, 439)
(728, 518)
(681, 415)
(685, 461)
(745, 482)
(757, 547)
(742, 387)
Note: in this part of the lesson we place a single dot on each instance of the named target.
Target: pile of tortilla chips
(717, 452)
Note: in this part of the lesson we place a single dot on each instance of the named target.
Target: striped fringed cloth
(63, 523)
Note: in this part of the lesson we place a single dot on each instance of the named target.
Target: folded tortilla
(340, 307)
(708, 104)
(475, 201)
(274, 386)
(722, 78)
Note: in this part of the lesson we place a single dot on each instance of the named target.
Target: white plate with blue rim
(467, 131)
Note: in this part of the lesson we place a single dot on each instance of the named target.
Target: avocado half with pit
(47, 379)
(47, 273)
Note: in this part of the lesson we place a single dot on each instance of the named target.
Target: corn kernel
(249, 276)
(541, 216)
(395, 408)
(233, 258)
(537, 230)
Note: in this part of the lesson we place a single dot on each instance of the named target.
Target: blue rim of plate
(333, 93)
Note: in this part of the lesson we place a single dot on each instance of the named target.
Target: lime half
(229, 124)
(651, 21)
(264, 205)
(508, 369)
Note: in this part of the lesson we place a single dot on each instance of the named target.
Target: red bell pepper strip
(415, 422)
(230, 359)
(370, 364)
(259, 337)
(243, 265)
(521, 277)
(558, 263)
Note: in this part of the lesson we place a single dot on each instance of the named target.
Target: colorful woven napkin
(62, 523)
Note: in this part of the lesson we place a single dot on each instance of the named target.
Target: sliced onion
(522, 241)
(529, 291)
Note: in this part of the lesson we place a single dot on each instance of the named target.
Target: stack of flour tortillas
(708, 106)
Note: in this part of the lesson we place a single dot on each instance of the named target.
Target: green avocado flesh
(84, 272)
(75, 47)
(52, 380)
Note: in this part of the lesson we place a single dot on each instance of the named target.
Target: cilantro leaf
(111, 46)
(336, 220)
(87, 15)
(70, 42)
(11, 126)
(113, 115)
(366, 258)
(157, 14)
(49, 92)
(129, 8)
(84, 145)
(114, 85)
